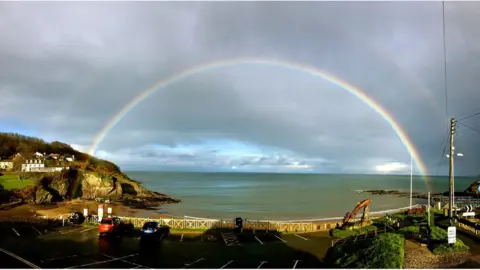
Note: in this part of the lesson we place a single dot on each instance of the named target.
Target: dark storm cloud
(67, 68)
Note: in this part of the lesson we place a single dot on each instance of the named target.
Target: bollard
(63, 221)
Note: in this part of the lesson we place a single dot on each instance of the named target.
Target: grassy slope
(12, 181)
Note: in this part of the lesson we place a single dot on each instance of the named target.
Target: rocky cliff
(89, 185)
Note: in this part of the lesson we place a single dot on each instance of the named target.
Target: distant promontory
(39, 172)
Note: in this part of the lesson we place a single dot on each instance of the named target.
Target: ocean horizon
(282, 196)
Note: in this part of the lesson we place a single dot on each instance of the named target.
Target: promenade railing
(312, 225)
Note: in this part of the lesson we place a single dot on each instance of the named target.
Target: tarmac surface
(54, 246)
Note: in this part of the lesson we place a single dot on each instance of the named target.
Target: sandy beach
(65, 208)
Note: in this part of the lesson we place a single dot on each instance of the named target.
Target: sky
(67, 68)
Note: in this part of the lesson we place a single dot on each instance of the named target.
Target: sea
(272, 196)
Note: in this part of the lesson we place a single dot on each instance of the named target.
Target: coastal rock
(87, 185)
(94, 186)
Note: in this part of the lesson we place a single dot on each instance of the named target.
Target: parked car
(238, 225)
(113, 226)
(152, 231)
(77, 218)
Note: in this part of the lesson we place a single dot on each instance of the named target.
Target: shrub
(444, 248)
(385, 251)
(410, 229)
(439, 234)
(440, 246)
(339, 233)
(399, 216)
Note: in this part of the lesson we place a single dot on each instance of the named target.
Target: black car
(77, 218)
(152, 231)
(238, 225)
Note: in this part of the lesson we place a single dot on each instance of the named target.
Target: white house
(38, 165)
(53, 156)
(32, 165)
(38, 155)
(6, 164)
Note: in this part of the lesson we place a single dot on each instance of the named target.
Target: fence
(460, 200)
(312, 225)
(204, 224)
(468, 226)
(179, 223)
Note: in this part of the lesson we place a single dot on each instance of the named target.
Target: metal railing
(204, 224)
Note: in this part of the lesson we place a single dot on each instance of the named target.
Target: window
(150, 225)
(106, 221)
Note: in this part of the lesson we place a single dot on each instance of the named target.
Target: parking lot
(48, 246)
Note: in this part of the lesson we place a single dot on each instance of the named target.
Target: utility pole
(411, 179)
(428, 210)
(450, 171)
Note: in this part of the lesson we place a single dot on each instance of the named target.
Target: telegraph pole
(450, 171)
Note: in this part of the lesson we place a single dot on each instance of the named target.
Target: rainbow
(279, 63)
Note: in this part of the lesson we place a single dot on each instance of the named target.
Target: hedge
(384, 251)
(339, 233)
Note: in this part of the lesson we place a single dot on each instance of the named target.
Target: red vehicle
(113, 226)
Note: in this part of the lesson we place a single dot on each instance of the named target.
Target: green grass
(439, 234)
(410, 229)
(385, 251)
(11, 181)
(399, 216)
(457, 247)
(440, 246)
(339, 233)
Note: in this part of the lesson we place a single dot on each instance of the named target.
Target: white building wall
(6, 165)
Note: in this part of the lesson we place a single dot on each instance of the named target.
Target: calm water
(280, 196)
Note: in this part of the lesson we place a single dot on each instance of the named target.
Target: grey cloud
(152, 157)
(67, 70)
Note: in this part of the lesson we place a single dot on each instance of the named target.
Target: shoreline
(143, 208)
(118, 209)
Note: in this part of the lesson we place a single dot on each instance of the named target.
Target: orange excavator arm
(359, 206)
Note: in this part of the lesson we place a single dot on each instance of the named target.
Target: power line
(469, 127)
(468, 116)
(439, 163)
(445, 61)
